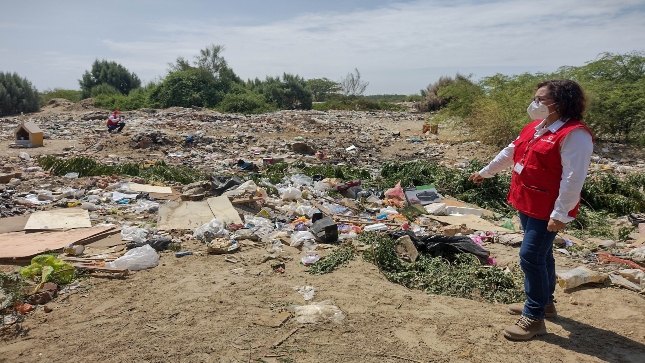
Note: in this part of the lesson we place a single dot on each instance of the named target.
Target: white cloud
(398, 48)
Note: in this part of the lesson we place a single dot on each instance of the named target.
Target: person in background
(550, 159)
(115, 122)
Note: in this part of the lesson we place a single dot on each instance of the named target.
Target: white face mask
(538, 111)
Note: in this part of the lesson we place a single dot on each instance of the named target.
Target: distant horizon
(400, 47)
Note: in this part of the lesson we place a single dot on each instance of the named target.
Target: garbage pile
(238, 182)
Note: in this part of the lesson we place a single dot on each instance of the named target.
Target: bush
(290, 92)
(615, 86)
(110, 73)
(322, 88)
(16, 95)
(68, 94)
(191, 87)
(246, 103)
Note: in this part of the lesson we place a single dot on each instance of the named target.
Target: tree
(615, 86)
(192, 87)
(203, 83)
(352, 86)
(321, 88)
(17, 95)
(290, 92)
(108, 73)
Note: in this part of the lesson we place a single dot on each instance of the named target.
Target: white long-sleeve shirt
(575, 152)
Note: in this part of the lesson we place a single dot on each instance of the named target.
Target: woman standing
(550, 159)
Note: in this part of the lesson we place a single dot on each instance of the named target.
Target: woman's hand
(476, 178)
(555, 225)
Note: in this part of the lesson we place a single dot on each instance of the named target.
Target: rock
(511, 239)
(47, 309)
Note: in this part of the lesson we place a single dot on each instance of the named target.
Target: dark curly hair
(568, 95)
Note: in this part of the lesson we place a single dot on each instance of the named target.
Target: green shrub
(245, 103)
(191, 87)
(137, 99)
(17, 95)
(110, 73)
(615, 87)
(289, 93)
(68, 94)
(322, 88)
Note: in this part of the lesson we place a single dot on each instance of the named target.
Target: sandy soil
(201, 308)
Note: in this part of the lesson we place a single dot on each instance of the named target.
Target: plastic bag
(301, 179)
(291, 193)
(638, 252)
(211, 230)
(317, 312)
(578, 276)
(24, 156)
(298, 238)
(305, 210)
(134, 234)
(307, 292)
(309, 259)
(139, 258)
(396, 192)
(321, 186)
(146, 206)
(248, 187)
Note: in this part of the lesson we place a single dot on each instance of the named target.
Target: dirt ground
(202, 308)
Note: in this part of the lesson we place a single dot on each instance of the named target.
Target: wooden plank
(59, 219)
(184, 215)
(145, 188)
(223, 210)
(16, 245)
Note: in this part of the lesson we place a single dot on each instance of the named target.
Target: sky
(399, 47)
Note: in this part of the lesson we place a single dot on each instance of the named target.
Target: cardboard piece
(149, 188)
(471, 221)
(223, 210)
(13, 224)
(183, 215)
(21, 245)
(109, 241)
(59, 219)
(166, 196)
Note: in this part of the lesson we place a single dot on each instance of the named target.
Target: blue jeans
(538, 264)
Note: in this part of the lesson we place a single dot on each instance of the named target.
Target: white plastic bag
(134, 234)
(210, 231)
(307, 292)
(298, 238)
(146, 206)
(301, 179)
(139, 258)
(316, 312)
(291, 193)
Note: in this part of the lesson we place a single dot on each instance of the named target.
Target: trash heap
(232, 188)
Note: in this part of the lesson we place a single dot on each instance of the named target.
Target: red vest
(535, 190)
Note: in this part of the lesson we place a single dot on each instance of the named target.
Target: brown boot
(525, 329)
(549, 310)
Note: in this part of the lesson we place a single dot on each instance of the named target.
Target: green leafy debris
(339, 257)
(456, 275)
